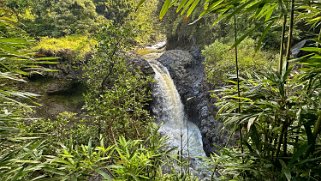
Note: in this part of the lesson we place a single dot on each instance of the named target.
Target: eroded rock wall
(59, 90)
(187, 71)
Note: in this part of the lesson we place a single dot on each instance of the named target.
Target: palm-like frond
(16, 61)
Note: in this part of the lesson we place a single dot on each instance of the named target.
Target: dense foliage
(219, 60)
(180, 34)
(48, 18)
(61, 18)
(275, 113)
(115, 98)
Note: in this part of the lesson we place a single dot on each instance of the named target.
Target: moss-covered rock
(61, 89)
(75, 47)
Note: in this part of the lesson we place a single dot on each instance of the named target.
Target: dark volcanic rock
(143, 65)
(187, 71)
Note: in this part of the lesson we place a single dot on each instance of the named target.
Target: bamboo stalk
(285, 140)
(288, 52)
(317, 126)
(290, 36)
(280, 142)
(282, 44)
(238, 83)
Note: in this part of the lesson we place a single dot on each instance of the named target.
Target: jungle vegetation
(262, 60)
(275, 112)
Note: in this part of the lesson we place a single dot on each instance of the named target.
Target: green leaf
(239, 40)
(299, 152)
(26, 161)
(24, 138)
(139, 4)
(103, 174)
(39, 177)
(191, 9)
(265, 32)
(311, 49)
(221, 17)
(250, 122)
(186, 6)
(212, 7)
(181, 5)
(166, 6)
(303, 58)
(285, 170)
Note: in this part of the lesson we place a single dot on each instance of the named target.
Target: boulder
(142, 64)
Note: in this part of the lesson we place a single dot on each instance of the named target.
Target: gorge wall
(187, 71)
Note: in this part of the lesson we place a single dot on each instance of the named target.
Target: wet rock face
(187, 71)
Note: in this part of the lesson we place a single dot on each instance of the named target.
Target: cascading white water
(170, 111)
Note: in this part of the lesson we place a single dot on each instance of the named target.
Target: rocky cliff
(187, 71)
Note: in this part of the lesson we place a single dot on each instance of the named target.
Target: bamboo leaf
(285, 170)
(26, 161)
(165, 8)
(265, 32)
(244, 36)
(139, 4)
(191, 9)
(311, 49)
(104, 174)
(181, 5)
(250, 123)
(39, 177)
(186, 6)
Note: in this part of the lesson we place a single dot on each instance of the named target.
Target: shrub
(125, 160)
(60, 18)
(280, 125)
(67, 128)
(220, 61)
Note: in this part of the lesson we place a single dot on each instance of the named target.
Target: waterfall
(169, 110)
